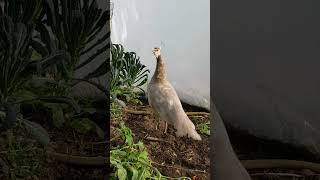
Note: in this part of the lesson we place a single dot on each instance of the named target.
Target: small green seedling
(204, 128)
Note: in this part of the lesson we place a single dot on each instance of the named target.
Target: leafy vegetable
(127, 74)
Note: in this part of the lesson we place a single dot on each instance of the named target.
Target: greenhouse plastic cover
(182, 31)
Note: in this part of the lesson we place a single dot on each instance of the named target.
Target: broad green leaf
(143, 155)
(121, 172)
(119, 153)
(113, 162)
(135, 173)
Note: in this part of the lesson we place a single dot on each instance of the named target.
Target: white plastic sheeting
(182, 28)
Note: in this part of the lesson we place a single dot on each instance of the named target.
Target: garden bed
(69, 155)
(74, 155)
(78, 146)
(172, 156)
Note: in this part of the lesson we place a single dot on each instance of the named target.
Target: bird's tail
(187, 128)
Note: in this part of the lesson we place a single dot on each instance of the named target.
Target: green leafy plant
(134, 72)
(61, 114)
(127, 74)
(116, 111)
(41, 42)
(17, 69)
(26, 11)
(131, 161)
(76, 25)
(73, 26)
(204, 128)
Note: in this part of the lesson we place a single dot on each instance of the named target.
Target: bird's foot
(157, 124)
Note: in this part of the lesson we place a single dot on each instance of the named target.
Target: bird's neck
(160, 72)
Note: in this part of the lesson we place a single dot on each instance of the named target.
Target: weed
(204, 128)
(131, 160)
(20, 156)
(116, 111)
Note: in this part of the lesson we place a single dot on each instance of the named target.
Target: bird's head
(156, 52)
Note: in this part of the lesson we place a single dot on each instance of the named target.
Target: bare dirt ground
(173, 156)
(67, 141)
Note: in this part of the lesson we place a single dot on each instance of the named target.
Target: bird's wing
(164, 100)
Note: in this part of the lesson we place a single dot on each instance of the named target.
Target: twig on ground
(155, 139)
(79, 160)
(195, 116)
(185, 169)
(275, 174)
(102, 142)
(149, 113)
(197, 113)
(137, 112)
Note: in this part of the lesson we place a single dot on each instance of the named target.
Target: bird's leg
(157, 120)
(157, 124)
(166, 127)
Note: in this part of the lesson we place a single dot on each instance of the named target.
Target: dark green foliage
(76, 24)
(16, 64)
(135, 72)
(80, 28)
(69, 28)
(41, 42)
(127, 72)
(16, 69)
(15, 56)
(117, 64)
(25, 11)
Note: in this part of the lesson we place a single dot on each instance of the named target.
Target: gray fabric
(225, 164)
(266, 68)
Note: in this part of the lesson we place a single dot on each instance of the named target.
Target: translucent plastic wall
(181, 28)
